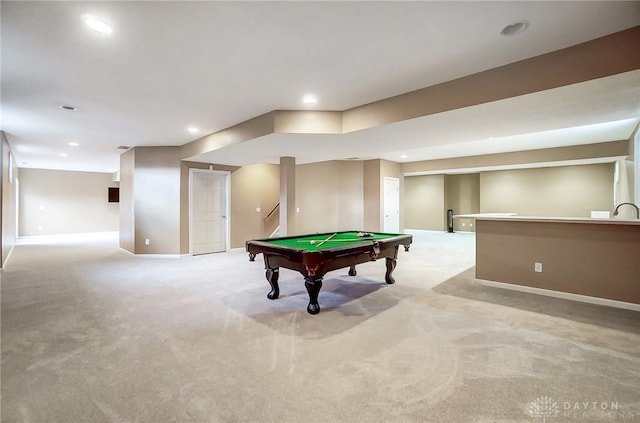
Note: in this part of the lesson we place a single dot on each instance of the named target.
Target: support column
(287, 196)
(373, 199)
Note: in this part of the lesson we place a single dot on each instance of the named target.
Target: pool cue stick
(322, 242)
(341, 240)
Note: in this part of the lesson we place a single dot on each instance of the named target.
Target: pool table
(315, 255)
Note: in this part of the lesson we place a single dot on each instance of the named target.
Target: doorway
(391, 222)
(208, 211)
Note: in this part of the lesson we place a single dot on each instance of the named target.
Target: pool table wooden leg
(352, 271)
(272, 278)
(391, 264)
(313, 286)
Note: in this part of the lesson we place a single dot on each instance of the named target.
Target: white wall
(60, 202)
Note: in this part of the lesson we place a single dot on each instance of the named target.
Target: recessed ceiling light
(310, 99)
(403, 156)
(73, 143)
(514, 28)
(97, 24)
(66, 107)
(193, 130)
(63, 154)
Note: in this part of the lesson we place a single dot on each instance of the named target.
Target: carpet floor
(93, 334)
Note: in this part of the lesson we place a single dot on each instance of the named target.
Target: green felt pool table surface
(313, 255)
(326, 241)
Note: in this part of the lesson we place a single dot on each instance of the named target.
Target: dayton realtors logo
(546, 407)
(543, 407)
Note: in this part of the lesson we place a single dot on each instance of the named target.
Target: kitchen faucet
(615, 213)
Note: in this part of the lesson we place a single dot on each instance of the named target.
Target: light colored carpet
(92, 334)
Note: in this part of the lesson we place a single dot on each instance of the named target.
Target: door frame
(227, 216)
(384, 201)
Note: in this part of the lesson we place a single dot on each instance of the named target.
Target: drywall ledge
(590, 257)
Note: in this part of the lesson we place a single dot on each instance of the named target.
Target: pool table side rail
(256, 246)
(328, 259)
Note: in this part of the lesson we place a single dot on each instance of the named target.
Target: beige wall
(424, 205)
(350, 195)
(251, 187)
(127, 191)
(609, 55)
(577, 258)
(8, 199)
(60, 202)
(577, 152)
(372, 213)
(462, 195)
(157, 200)
(568, 191)
(156, 183)
(150, 200)
(307, 122)
(248, 130)
(329, 196)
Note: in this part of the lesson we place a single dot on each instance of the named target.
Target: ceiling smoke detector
(514, 28)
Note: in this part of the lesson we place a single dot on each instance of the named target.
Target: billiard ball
(313, 241)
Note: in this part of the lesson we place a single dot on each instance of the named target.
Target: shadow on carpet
(345, 302)
(464, 285)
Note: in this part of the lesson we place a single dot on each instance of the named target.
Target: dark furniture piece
(315, 255)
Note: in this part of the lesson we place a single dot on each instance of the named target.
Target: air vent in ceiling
(123, 147)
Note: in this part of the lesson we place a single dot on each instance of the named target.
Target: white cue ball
(312, 242)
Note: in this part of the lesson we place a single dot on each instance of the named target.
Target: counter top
(512, 218)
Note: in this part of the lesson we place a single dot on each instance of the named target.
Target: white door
(208, 228)
(391, 205)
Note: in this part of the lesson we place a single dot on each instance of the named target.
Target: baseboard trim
(561, 295)
(152, 255)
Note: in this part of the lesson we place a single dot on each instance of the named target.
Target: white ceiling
(170, 65)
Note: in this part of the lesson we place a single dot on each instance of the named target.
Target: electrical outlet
(537, 267)
(147, 242)
(258, 209)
